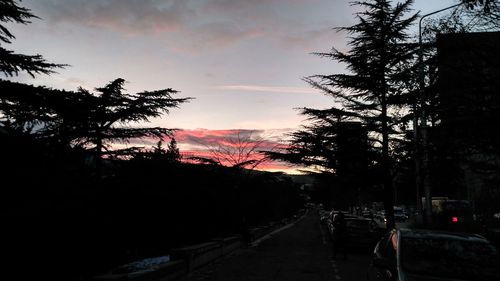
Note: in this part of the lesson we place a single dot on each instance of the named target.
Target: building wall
(469, 110)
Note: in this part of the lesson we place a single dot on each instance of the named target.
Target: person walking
(339, 236)
(245, 233)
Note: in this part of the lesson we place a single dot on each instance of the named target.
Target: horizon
(243, 62)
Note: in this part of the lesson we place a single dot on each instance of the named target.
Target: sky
(241, 60)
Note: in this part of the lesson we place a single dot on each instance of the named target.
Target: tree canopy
(95, 121)
(374, 89)
(12, 63)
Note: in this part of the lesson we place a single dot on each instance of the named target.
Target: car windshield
(357, 223)
(447, 257)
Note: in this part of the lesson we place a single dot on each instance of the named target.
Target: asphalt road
(301, 251)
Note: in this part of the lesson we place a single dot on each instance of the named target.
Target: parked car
(335, 213)
(324, 216)
(426, 255)
(367, 214)
(491, 229)
(380, 215)
(362, 233)
(400, 215)
(332, 217)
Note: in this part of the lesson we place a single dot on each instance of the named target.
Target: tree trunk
(98, 156)
(386, 170)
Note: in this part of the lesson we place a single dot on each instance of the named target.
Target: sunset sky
(242, 60)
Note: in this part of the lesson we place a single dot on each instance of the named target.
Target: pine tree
(315, 145)
(12, 63)
(99, 120)
(371, 89)
(173, 154)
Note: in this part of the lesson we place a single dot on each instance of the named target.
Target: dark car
(335, 213)
(425, 255)
(324, 216)
(400, 215)
(367, 214)
(491, 229)
(362, 233)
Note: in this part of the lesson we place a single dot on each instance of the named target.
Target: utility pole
(418, 168)
(421, 137)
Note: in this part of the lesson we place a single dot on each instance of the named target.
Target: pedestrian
(245, 232)
(339, 236)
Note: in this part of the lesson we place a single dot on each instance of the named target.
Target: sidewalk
(301, 251)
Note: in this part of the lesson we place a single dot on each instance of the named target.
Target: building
(469, 110)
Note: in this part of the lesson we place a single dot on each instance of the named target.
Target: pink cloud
(230, 138)
(265, 166)
(229, 146)
(186, 135)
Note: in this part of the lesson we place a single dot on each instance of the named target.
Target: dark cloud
(125, 16)
(215, 35)
(196, 25)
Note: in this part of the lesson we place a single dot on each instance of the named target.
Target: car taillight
(454, 219)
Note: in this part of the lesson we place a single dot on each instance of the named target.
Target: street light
(423, 178)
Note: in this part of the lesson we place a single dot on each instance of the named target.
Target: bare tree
(243, 150)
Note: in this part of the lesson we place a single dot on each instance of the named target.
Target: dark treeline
(74, 204)
(62, 221)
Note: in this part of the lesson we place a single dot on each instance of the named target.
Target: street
(301, 251)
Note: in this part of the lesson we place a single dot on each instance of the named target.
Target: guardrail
(187, 259)
(199, 255)
(171, 270)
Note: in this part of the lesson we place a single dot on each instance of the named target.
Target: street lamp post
(422, 168)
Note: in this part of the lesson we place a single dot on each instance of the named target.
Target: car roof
(438, 234)
(357, 219)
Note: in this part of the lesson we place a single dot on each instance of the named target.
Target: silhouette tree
(160, 154)
(377, 70)
(98, 121)
(315, 145)
(20, 105)
(244, 150)
(25, 107)
(336, 152)
(485, 5)
(173, 154)
(10, 62)
(473, 16)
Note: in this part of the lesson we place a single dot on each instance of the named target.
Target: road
(301, 251)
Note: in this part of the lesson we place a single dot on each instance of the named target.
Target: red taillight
(454, 219)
